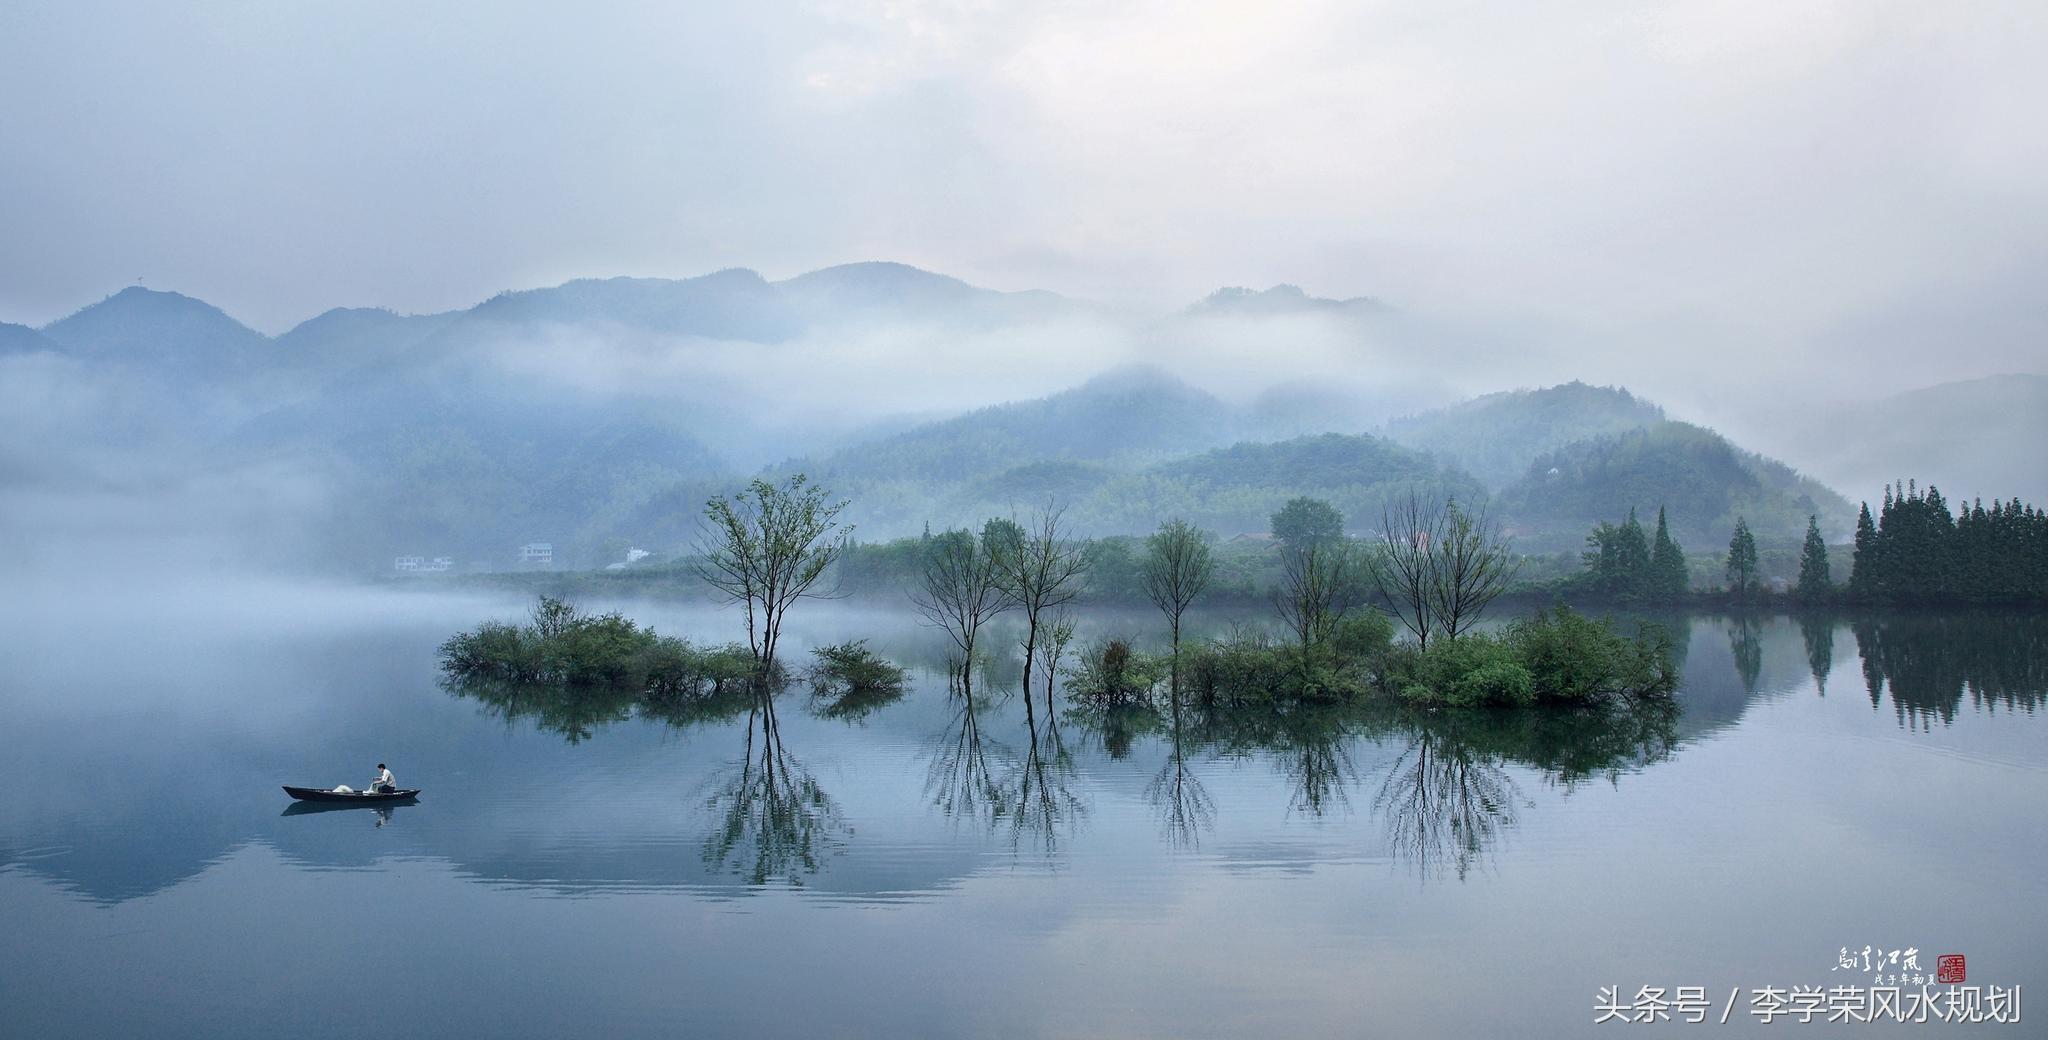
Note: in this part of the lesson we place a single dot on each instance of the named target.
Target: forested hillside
(1497, 436)
(1703, 482)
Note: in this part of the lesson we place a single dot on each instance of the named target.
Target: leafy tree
(1814, 583)
(1307, 521)
(1742, 560)
(766, 548)
(1618, 558)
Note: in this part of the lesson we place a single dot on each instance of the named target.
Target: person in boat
(383, 784)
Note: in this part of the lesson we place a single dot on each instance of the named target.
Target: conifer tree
(1814, 583)
(1668, 579)
(1742, 562)
(1632, 552)
(1861, 581)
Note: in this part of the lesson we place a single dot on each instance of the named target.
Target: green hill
(1497, 436)
(1236, 489)
(1702, 480)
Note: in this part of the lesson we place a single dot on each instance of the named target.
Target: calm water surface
(912, 868)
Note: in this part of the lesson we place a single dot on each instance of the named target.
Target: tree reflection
(960, 779)
(1040, 803)
(1450, 797)
(1930, 663)
(775, 820)
(1818, 630)
(1177, 795)
(1745, 641)
(1444, 803)
(574, 714)
(1311, 746)
(853, 705)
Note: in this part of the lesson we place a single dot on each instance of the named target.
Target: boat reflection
(380, 813)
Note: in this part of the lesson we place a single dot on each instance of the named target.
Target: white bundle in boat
(344, 789)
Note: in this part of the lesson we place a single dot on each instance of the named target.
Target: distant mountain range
(1974, 438)
(467, 432)
(20, 339)
(1285, 299)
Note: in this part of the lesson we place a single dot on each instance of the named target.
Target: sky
(1839, 180)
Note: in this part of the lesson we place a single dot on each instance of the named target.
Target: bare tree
(765, 548)
(1470, 566)
(1404, 568)
(1052, 645)
(1438, 566)
(1178, 567)
(1042, 569)
(959, 591)
(1320, 582)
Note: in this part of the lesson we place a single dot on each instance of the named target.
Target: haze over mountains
(601, 412)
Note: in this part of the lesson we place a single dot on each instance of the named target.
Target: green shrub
(1473, 670)
(851, 668)
(1496, 682)
(601, 649)
(1572, 657)
(1362, 638)
(1251, 668)
(1558, 656)
(494, 649)
(1111, 673)
(565, 648)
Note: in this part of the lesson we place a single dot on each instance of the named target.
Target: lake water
(908, 869)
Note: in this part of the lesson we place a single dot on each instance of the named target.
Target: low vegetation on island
(1430, 575)
(1397, 618)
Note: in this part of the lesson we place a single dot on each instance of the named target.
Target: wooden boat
(316, 794)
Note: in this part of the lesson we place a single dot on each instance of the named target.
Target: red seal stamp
(1949, 967)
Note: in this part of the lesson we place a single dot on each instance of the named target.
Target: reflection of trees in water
(1026, 792)
(576, 713)
(775, 820)
(1444, 804)
(1449, 798)
(1320, 769)
(1818, 630)
(573, 713)
(1041, 804)
(1930, 662)
(1310, 746)
(1183, 804)
(960, 780)
(1746, 642)
(854, 705)
(1449, 795)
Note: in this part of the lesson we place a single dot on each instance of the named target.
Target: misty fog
(1781, 223)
